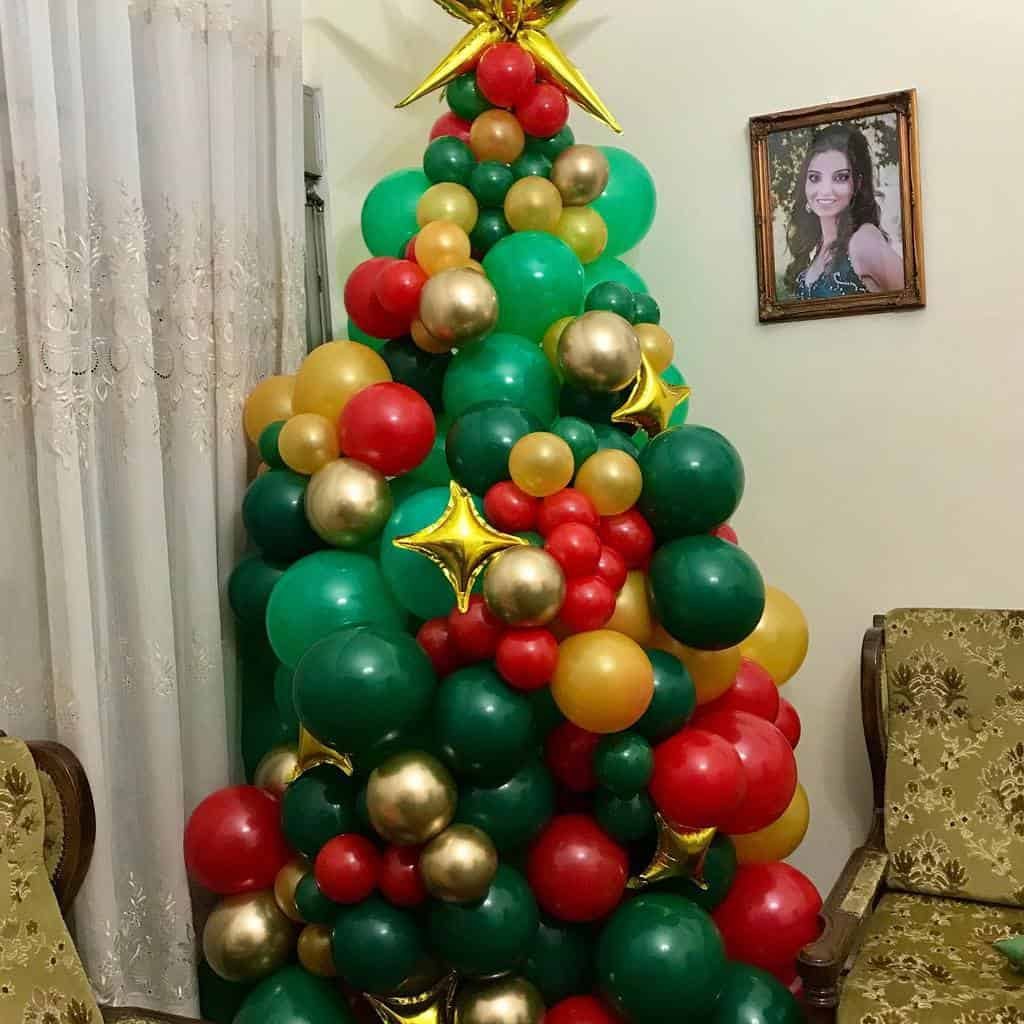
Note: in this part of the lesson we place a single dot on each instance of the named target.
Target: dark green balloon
(719, 872)
(465, 98)
(490, 936)
(674, 700)
(219, 1000)
(595, 407)
(660, 957)
(416, 369)
(448, 159)
(480, 440)
(708, 593)
(262, 729)
(355, 333)
(490, 182)
(553, 145)
(608, 268)
(752, 996)
(532, 165)
(294, 996)
(613, 297)
(514, 811)
(624, 763)
(269, 451)
(693, 481)
(647, 309)
(274, 513)
(559, 962)
(433, 470)
(578, 435)
(615, 438)
(376, 946)
(284, 696)
(491, 227)
(626, 819)
(546, 713)
(312, 904)
(249, 587)
(316, 807)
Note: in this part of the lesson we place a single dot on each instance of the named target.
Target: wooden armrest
(129, 1013)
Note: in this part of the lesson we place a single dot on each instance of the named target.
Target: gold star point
(431, 1007)
(651, 400)
(313, 753)
(680, 854)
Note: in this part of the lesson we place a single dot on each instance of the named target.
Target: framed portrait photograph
(837, 209)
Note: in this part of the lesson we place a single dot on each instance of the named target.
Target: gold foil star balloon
(460, 543)
(313, 753)
(680, 854)
(651, 400)
(523, 22)
(431, 1007)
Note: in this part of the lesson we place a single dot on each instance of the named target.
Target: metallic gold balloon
(651, 400)
(425, 998)
(448, 201)
(779, 641)
(307, 442)
(497, 135)
(332, 373)
(423, 339)
(458, 306)
(657, 344)
(550, 341)
(285, 884)
(712, 672)
(611, 479)
(580, 173)
(278, 768)
(541, 463)
(313, 753)
(680, 854)
(268, 402)
(410, 798)
(506, 1000)
(583, 229)
(599, 351)
(459, 865)
(247, 937)
(347, 502)
(315, 951)
(441, 245)
(474, 265)
(525, 586)
(779, 839)
(533, 204)
(632, 614)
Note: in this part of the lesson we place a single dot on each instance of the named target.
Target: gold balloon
(458, 306)
(332, 373)
(599, 351)
(277, 769)
(474, 265)
(580, 173)
(497, 135)
(268, 402)
(313, 753)
(441, 245)
(632, 614)
(603, 681)
(247, 937)
(307, 442)
(779, 839)
(410, 798)
(584, 230)
(347, 502)
(540, 463)
(525, 586)
(459, 865)
(533, 204)
(651, 400)
(779, 641)
(612, 480)
(315, 951)
(448, 201)
(550, 341)
(507, 1000)
(285, 884)
(712, 672)
(423, 998)
(680, 854)
(657, 344)
(423, 339)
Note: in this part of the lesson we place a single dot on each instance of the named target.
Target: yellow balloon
(423, 339)
(441, 245)
(285, 884)
(632, 614)
(657, 344)
(779, 839)
(447, 201)
(307, 442)
(583, 229)
(611, 479)
(712, 672)
(550, 342)
(331, 374)
(603, 681)
(268, 402)
(540, 463)
(497, 135)
(779, 641)
(533, 204)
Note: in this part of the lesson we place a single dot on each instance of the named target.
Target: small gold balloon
(540, 463)
(458, 306)
(410, 798)
(450, 202)
(307, 442)
(285, 884)
(497, 135)
(268, 402)
(332, 373)
(524, 586)
(632, 614)
(459, 865)
(474, 265)
(533, 204)
(441, 245)
(277, 769)
(580, 173)
(657, 344)
(247, 937)
(550, 341)
(347, 502)
(584, 230)
(612, 480)
(423, 339)
(507, 1000)
(599, 351)
(315, 951)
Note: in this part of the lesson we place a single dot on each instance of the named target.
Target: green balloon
(614, 297)
(547, 715)
(579, 435)
(708, 593)
(674, 700)
(323, 593)
(219, 1000)
(416, 369)
(358, 334)
(647, 310)
(693, 481)
(514, 811)
(490, 182)
(490, 228)
(552, 145)
(284, 697)
(312, 904)
(479, 443)
(628, 202)
(376, 946)
(624, 763)
(608, 268)
(433, 471)
(492, 935)
(752, 996)
(616, 439)
(316, 807)
(249, 588)
(659, 957)
(389, 212)
(627, 819)
(559, 961)
(532, 165)
(719, 872)
(596, 407)
(465, 98)
(269, 452)
(274, 513)
(448, 159)
(538, 278)
(294, 996)
(262, 729)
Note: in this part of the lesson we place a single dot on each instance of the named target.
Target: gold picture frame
(777, 141)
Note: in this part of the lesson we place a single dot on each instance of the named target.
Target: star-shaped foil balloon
(460, 543)
(651, 400)
(313, 753)
(521, 21)
(431, 1007)
(680, 854)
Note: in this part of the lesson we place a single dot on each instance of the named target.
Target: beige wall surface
(883, 453)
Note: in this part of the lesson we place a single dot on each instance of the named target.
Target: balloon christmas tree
(521, 750)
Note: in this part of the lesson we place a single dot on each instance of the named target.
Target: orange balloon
(632, 614)
(779, 839)
(497, 135)
(422, 338)
(712, 672)
(268, 402)
(441, 245)
(779, 641)
(331, 374)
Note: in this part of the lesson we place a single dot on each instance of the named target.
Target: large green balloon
(629, 201)
(249, 587)
(433, 471)
(294, 996)
(538, 278)
(693, 481)
(317, 806)
(376, 946)
(660, 958)
(514, 811)
(504, 368)
(323, 593)
(674, 700)
(752, 996)
(547, 715)
(274, 513)
(608, 268)
(416, 369)
(389, 212)
(709, 593)
(357, 685)
(480, 440)
(612, 437)
(559, 961)
(262, 729)
(627, 819)
(219, 1000)
(284, 697)
(719, 872)
(492, 935)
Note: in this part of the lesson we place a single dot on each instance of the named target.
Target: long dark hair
(804, 232)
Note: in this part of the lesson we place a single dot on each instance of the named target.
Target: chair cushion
(954, 786)
(53, 825)
(925, 958)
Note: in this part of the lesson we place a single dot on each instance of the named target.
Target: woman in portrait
(834, 235)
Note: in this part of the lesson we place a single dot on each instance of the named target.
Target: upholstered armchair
(908, 929)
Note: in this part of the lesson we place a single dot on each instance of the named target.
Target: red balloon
(543, 110)
(510, 508)
(611, 566)
(505, 73)
(576, 548)
(768, 766)
(570, 756)
(768, 916)
(788, 722)
(526, 658)
(580, 1010)
(233, 841)
(753, 691)
(589, 604)
(475, 632)
(398, 289)
(725, 532)
(388, 426)
(698, 778)
(400, 880)
(576, 871)
(363, 305)
(630, 535)
(451, 124)
(347, 868)
(410, 250)
(435, 637)
(566, 506)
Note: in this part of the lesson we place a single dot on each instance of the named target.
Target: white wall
(883, 453)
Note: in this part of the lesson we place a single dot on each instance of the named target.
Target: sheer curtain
(150, 273)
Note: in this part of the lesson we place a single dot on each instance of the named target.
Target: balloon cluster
(521, 752)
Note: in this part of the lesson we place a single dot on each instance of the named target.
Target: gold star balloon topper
(523, 22)
(651, 400)
(680, 854)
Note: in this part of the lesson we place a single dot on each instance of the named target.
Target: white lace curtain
(150, 272)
